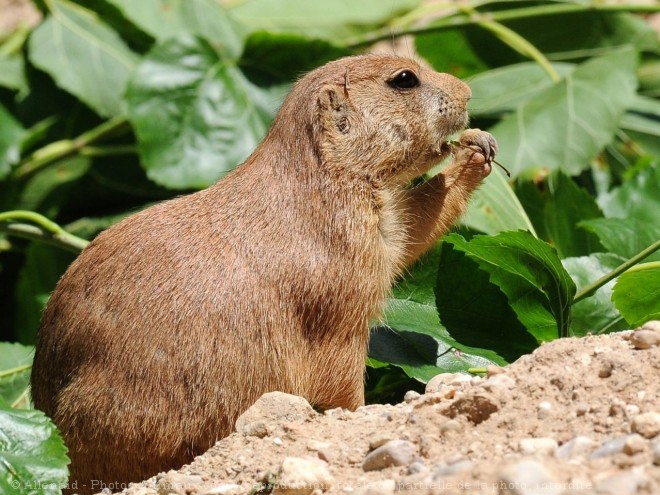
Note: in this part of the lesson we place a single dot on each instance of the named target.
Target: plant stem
(45, 230)
(590, 289)
(58, 150)
(521, 45)
(454, 21)
(15, 370)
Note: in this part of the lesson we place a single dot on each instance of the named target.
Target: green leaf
(595, 314)
(411, 336)
(529, 272)
(637, 198)
(624, 236)
(11, 135)
(565, 126)
(83, 56)
(494, 207)
(272, 58)
(196, 116)
(329, 20)
(504, 89)
(637, 294)
(15, 368)
(33, 456)
(567, 205)
(165, 19)
(46, 191)
(461, 61)
(12, 74)
(556, 205)
(475, 311)
(44, 265)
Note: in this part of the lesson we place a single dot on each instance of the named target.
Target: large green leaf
(566, 125)
(410, 335)
(494, 207)
(12, 74)
(33, 458)
(11, 135)
(475, 311)
(15, 368)
(569, 36)
(84, 56)
(164, 19)
(638, 197)
(460, 61)
(568, 204)
(637, 294)
(195, 114)
(595, 314)
(529, 272)
(329, 20)
(625, 236)
(276, 58)
(503, 89)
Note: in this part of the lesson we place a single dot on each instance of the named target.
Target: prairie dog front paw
(476, 148)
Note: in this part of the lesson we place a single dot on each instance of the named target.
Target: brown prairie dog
(173, 322)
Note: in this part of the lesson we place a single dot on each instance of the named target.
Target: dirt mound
(578, 416)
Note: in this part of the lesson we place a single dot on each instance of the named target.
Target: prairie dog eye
(406, 79)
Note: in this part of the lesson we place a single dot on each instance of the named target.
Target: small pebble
(544, 410)
(542, 446)
(393, 453)
(323, 450)
(646, 424)
(410, 396)
(174, 483)
(450, 425)
(492, 370)
(581, 408)
(378, 439)
(500, 382)
(277, 441)
(579, 446)
(417, 467)
(655, 448)
(451, 469)
(625, 483)
(436, 383)
(609, 448)
(605, 370)
(634, 444)
(645, 339)
(273, 408)
(302, 476)
(381, 487)
(528, 477)
(224, 489)
(653, 325)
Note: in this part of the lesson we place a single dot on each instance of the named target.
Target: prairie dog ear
(335, 108)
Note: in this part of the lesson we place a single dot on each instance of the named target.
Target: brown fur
(173, 322)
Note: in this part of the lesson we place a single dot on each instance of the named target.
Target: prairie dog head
(385, 118)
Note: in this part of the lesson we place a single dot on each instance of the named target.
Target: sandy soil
(578, 416)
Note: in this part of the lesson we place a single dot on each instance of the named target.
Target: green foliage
(180, 100)
(564, 126)
(637, 294)
(33, 456)
(15, 367)
(110, 105)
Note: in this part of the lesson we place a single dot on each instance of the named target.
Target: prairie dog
(173, 322)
